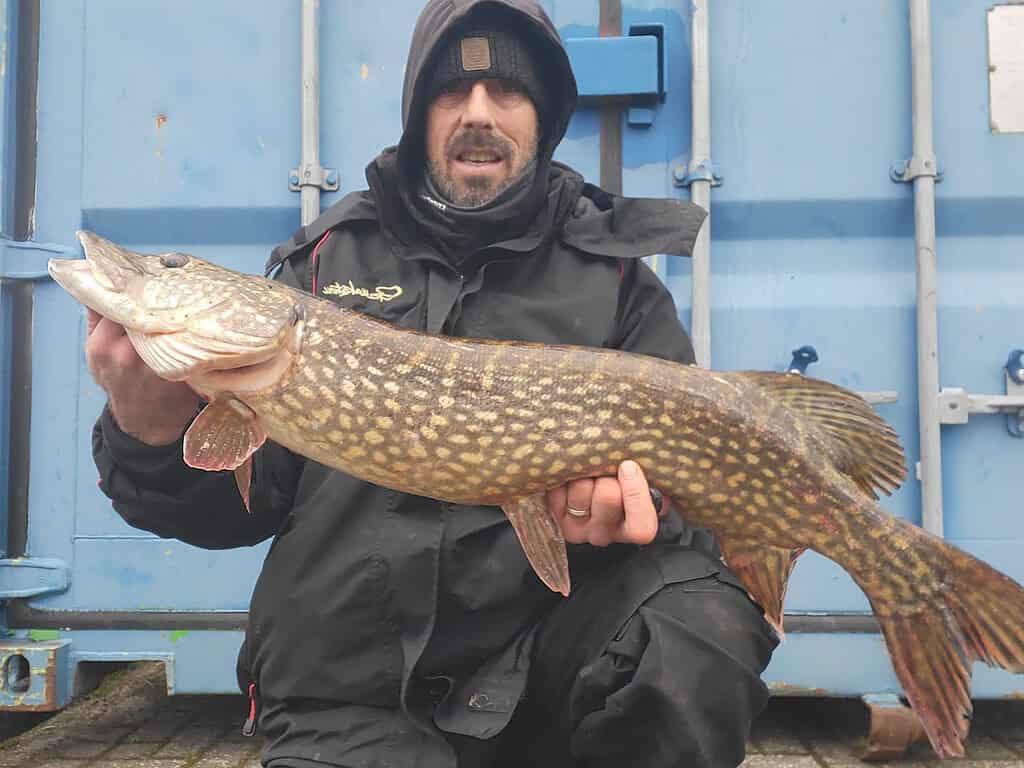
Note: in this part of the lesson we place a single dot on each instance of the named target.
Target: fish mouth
(176, 348)
(106, 268)
(100, 281)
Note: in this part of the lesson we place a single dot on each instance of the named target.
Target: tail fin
(988, 606)
(978, 616)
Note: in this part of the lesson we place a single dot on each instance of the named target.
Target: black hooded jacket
(373, 605)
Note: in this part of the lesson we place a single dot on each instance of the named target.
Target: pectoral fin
(542, 540)
(223, 436)
(764, 571)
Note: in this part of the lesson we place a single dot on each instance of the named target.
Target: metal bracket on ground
(957, 404)
(702, 171)
(893, 727)
(22, 577)
(908, 170)
(34, 676)
(309, 176)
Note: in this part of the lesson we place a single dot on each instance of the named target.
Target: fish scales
(774, 464)
(485, 422)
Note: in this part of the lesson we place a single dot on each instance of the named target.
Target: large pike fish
(773, 463)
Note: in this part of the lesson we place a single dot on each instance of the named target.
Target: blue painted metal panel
(615, 66)
(174, 124)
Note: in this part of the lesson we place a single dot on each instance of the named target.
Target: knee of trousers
(661, 656)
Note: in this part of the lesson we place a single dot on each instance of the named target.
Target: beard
(477, 191)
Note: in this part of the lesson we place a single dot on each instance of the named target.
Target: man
(391, 630)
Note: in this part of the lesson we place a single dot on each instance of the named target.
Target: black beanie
(486, 45)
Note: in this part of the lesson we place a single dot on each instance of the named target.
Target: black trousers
(653, 663)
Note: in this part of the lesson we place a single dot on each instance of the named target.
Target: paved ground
(129, 722)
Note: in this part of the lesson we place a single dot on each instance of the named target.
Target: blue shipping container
(175, 124)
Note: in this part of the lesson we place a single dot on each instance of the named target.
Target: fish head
(184, 315)
(149, 293)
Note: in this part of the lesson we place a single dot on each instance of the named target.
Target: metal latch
(805, 355)
(30, 577)
(957, 404)
(632, 68)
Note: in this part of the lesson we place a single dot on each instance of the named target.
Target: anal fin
(764, 571)
(542, 541)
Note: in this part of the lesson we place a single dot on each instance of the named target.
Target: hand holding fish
(606, 510)
(145, 406)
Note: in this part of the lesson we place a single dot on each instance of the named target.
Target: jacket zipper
(249, 727)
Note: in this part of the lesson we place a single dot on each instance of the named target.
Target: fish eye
(174, 260)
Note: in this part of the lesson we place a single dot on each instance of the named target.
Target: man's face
(481, 135)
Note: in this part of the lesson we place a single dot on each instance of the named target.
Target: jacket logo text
(381, 293)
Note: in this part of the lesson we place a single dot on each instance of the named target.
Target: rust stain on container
(49, 702)
(161, 121)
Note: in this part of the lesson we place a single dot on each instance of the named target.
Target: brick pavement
(130, 722)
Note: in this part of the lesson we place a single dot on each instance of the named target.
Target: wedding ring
(578, 512)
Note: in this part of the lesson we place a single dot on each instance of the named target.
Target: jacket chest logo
(381, 293)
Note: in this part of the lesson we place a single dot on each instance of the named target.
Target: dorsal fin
(866, 448)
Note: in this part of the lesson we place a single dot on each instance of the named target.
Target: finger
(101, 346)
(606, 513)
(574, 529)
(579, 495)
(103, 331)
(640, 525)
(92, 318)
(126, 356)
(576, 511)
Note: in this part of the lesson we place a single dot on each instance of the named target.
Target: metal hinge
(22, 577)
(957, 404)
(313, 176)
(26, 260)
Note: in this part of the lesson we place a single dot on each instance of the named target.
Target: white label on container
(1006, 68)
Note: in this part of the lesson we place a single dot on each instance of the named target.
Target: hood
(437, 19)
(397, 176)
